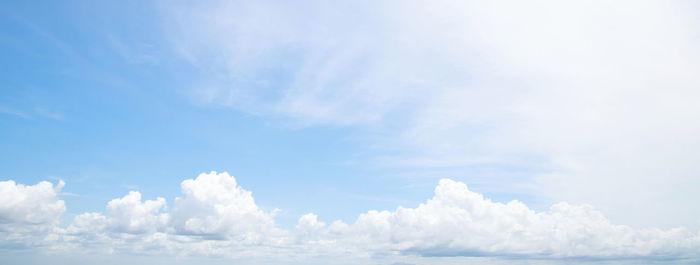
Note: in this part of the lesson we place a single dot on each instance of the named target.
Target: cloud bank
(216, 217)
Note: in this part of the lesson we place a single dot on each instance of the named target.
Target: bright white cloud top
(217, 217)
(29, 215)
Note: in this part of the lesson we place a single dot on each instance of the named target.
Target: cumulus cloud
(126, 215)
(309, 222)
(219, 218)
(130, 215)
(214, 217)
(214, 205)
(35, 204)
(595, 99)
(460, 222)
(29, 214)
(88, 223)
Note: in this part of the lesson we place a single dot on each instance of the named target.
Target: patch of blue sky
(128, 124)
(97, 96)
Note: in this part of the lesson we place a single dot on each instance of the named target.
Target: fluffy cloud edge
(216, 217)
(29, 214)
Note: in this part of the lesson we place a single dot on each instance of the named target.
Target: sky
(350, 132)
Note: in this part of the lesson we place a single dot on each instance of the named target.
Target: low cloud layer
(460, 222)
(216, 217)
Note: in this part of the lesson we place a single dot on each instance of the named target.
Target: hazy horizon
(357, 132)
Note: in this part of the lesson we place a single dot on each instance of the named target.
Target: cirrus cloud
(594, 100)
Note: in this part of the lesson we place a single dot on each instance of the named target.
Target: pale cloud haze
(598, 96)
(363, 132)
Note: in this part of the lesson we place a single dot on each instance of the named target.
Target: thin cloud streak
(599, 97)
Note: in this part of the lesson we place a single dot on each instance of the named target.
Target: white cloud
(215, 216)
(460, 222)
(126, 215)
(598, 96)
(29, 214)
(131, 226)
(129, 214)
(227, 222)
(36, 204)
(309, 222)
(215, 206)
(309, 228)
(88, 223)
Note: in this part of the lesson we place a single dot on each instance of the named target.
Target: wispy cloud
(134, 53)
(599, 96)
(42, 112)
(31, 115)
(10, 111)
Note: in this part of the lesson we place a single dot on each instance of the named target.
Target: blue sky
(343, 112)
(96, 96)
(93, 97)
